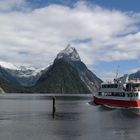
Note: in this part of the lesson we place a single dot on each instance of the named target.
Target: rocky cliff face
(1, 90)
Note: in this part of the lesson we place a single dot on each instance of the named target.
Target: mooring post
(54, 108)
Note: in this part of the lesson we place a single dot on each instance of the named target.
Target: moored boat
(119, 93)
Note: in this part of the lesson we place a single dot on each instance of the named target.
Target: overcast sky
(106, 33)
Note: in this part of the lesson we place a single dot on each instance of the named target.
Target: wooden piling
(54, 108)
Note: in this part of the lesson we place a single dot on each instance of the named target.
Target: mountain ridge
(67, 74)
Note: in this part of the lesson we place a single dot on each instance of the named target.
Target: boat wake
(92, 103)
(117, 107)
(131, 110)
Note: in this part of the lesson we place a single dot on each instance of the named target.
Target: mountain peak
(69, 53)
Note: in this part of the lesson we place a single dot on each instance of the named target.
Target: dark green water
(29, 117)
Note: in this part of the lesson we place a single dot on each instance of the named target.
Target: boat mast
(117, 72)
(116, 80)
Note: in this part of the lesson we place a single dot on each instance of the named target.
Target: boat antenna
(117, 72)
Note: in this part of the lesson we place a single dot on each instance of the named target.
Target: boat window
(132, 94)
(128, 87)
(110, 86)
(133, 87)
(116, 86)
(121, 94)
(118, 94)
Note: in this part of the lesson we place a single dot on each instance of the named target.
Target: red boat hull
(117, 103)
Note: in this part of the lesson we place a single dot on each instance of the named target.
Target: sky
(106, 33)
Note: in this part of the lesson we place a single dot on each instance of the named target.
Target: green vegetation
(61, 78)
(12, 88)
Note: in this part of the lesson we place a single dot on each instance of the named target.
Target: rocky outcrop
(1, 90)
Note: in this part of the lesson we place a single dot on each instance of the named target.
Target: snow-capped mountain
(68, 74)
(69, 53)
(24, 75)
(8, 65)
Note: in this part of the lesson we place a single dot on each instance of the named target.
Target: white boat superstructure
(121, 93)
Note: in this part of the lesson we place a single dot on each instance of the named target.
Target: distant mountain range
(132, 76)
(25, 76)
(67, 74)
(135, 75)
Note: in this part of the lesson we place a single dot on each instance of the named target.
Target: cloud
(97, 33)
(107, 75)
(8, 5)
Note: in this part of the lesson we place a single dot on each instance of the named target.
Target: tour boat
(122, 92)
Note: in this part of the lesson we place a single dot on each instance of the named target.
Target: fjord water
(29, 117)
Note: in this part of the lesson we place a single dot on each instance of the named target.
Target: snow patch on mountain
(21, 71)
(25, 75)
(69, 53)
(8, 65)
